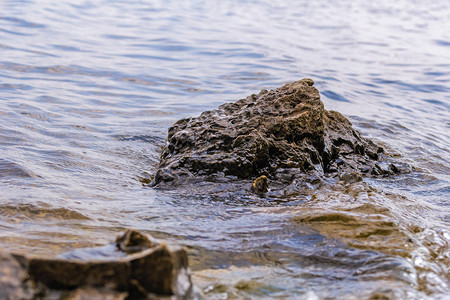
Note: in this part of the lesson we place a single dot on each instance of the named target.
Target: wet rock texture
(149, 270)
(284, 134)
(12, 278)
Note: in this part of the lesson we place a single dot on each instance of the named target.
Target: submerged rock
(284, 134)
(152, 269)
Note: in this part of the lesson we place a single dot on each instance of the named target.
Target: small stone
(350, 177)
(376, 170)
(260, 185)
(393, 168)
(133, 241)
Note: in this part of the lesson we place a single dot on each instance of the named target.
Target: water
(88, 90)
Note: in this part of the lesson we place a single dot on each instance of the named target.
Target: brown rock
(169, 274)
(283, 134)
(260, 185)
(92, 294)
(133, 241)
(155, 270)
(70, 274)
(12, 277)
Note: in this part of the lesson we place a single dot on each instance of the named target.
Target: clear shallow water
(88, 90)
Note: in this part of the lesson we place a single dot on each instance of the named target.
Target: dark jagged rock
(284, 134)
(107, 272)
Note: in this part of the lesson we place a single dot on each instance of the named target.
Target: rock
(349, 178)
(90, 294)
(63, 274)
(150, 269)
(260, 185)
(133, 241)
(12, 279)
(168, 275)
(284, 134)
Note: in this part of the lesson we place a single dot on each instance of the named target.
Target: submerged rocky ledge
(284, 134)
(135, 267)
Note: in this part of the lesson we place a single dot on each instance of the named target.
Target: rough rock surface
(12, 278)
(150, 269)
(284, 134)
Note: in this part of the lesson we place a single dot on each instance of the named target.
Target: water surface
(89, 89)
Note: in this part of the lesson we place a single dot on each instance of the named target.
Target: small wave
(442, 43)
(11, 169)
(20, 213)
(22, 22)
(157, 140)
(371, 220)
(334, 96)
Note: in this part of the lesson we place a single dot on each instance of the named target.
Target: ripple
(417, 87)
(88, 92)
(444, 43)
(334, 96)
(16, 32)
(11, 169)
(438, 103)
(26, 212)
(6, 86)
(22, 22)
(141, 138)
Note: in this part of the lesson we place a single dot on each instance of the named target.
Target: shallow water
(88, 91)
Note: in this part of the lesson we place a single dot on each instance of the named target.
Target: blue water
(89, 89)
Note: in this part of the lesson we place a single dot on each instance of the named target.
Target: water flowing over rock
(284, 134)
(134, 268)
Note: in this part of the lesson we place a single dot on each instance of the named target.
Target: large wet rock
(135, 267)
(284, 134)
